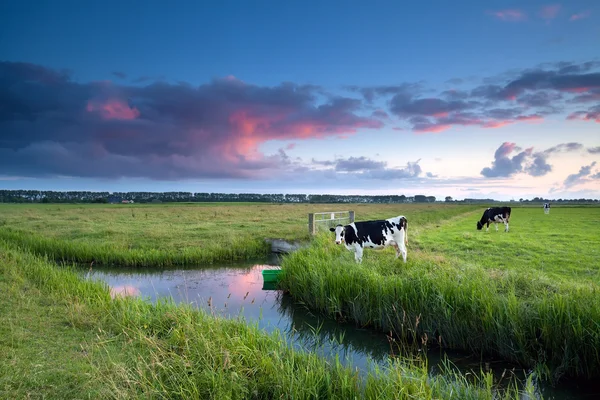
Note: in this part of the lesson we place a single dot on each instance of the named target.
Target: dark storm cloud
(52, 125)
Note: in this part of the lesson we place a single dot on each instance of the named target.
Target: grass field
(176, 234)
(531, 296)
(65, 338)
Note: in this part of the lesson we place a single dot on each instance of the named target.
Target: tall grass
(174, 351)
(522, 316)
(102, 253)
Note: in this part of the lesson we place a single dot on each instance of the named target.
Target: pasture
(176, 234)
(64, 337)
(529, 296)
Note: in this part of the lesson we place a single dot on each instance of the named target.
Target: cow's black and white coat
(495, 215)
(374, 235)
(546, 208)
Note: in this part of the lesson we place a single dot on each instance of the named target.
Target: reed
(164, 350)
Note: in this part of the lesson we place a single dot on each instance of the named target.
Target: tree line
(49, 196)
(45, 196)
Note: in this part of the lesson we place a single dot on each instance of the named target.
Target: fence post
(351, 216)
(311, 224)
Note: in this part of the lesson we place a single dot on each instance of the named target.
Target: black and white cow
(546, 208)
(495, 215)
(374, 235)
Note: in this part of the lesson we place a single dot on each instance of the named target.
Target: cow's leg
(358, 253)
(506, 226)
(496, 225)
(487, 226)
(403, 251)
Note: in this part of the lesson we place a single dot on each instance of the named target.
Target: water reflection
(236, 290)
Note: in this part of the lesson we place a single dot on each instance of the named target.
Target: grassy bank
(528, 296)
(176, 234)
(66, 338)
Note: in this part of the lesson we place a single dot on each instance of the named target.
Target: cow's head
(479, 225)
(339, 233)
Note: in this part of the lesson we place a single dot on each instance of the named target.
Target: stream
(236, 290)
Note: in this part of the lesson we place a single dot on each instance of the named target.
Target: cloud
(593, 95)
(511, 15)
(592, 114)
(564, 147)
(549, 12)
(580, 177)
(358, 164)
(54, 126)
(503, 165)
(516, 96)
(371, 93)
(579, 16)
(534, 164)
(594, 150)
(380, 114)
(366, 168)
(118, 74)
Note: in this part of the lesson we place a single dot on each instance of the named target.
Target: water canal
(236, 290)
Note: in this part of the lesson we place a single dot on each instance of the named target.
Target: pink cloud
(512, 15)
(550, 12)
(593, 115)
(578, 16)
(577, 89)
(113, 109)
(530, 118)
(433, 128)
(496, 124)
(505, 149)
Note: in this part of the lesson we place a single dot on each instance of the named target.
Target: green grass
(63, 337)
(528, 296)
(165, 235)
(562, 245)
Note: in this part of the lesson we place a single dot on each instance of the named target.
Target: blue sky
(468, 99)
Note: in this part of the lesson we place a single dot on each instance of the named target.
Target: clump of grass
(523, 317)
(166, 350)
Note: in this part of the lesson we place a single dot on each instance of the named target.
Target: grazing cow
(495, 215)
(373, 234)
(546, 208)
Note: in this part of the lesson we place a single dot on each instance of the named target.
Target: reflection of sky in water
(236, 290)
(233, 291)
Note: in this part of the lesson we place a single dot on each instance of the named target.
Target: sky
(468, 99)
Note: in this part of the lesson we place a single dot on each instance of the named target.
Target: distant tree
(448, 199)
